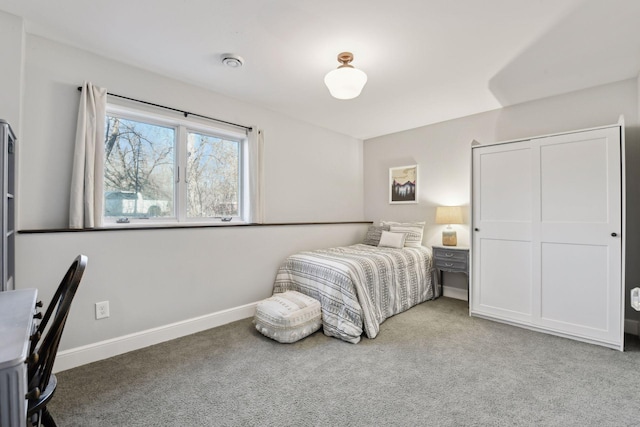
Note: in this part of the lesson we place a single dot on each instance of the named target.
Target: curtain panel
(255, 175)
(86, 201)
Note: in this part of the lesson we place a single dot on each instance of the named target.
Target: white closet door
(547, 247)
(502, 210)
(579, 235)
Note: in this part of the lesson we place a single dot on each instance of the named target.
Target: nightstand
(452, 259)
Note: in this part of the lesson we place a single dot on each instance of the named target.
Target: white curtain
(255, 176)
(86, 203)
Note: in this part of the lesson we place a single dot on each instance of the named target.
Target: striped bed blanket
(359, 286)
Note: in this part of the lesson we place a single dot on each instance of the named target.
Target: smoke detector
(232, 61)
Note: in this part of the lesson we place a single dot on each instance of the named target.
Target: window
(213, 179)
(162, 170)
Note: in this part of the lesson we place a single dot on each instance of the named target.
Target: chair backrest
(41, 364)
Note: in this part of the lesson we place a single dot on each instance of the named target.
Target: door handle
(614, 234)
(476, 229)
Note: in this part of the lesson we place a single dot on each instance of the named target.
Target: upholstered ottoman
(288, 316)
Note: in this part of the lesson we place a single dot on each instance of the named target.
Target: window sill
(130, 227)
(137, 223)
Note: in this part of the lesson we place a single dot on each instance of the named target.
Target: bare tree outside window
(139, 169)
(212, 176)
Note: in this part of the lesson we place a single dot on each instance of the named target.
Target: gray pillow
(374, 233)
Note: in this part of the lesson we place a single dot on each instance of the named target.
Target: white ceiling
(427, 60)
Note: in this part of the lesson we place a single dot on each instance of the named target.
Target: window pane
(139, 169)
(212, 176)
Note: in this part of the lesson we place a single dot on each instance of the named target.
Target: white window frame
(182, 127)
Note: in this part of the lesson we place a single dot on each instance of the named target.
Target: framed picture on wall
(403, 184)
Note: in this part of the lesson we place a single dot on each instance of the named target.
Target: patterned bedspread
(359, 286)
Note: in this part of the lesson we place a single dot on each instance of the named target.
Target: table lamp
(449, 215)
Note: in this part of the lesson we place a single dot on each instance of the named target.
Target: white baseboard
(632, 326)
(79, 356)
(456, 293)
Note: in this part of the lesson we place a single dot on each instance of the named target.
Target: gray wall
(443, 153)
(11, 52)
(153, 278)
(299, 185)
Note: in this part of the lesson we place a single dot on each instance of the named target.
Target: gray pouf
(288, 317)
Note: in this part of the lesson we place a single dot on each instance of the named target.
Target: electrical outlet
(102, 310)
(635, 298)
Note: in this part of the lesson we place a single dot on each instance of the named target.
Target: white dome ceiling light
(232, 61)
(345, 82)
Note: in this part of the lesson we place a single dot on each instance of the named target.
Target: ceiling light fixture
(345, 82)
(232, 61)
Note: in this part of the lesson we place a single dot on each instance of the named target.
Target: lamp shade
(345, 82)
(449, 215)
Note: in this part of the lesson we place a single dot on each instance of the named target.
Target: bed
(360, 286)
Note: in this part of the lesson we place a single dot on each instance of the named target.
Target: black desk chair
(42, 383)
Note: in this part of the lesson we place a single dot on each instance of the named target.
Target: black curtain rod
(186, 113)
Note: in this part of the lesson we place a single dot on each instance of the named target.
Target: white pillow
(392, 240)
(373, 234)
(414, 231)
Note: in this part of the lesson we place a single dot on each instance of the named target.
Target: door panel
(572, 291)
(574, 180)
(505, 285)
(580, 208)
(505, 178)
(502, 213)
